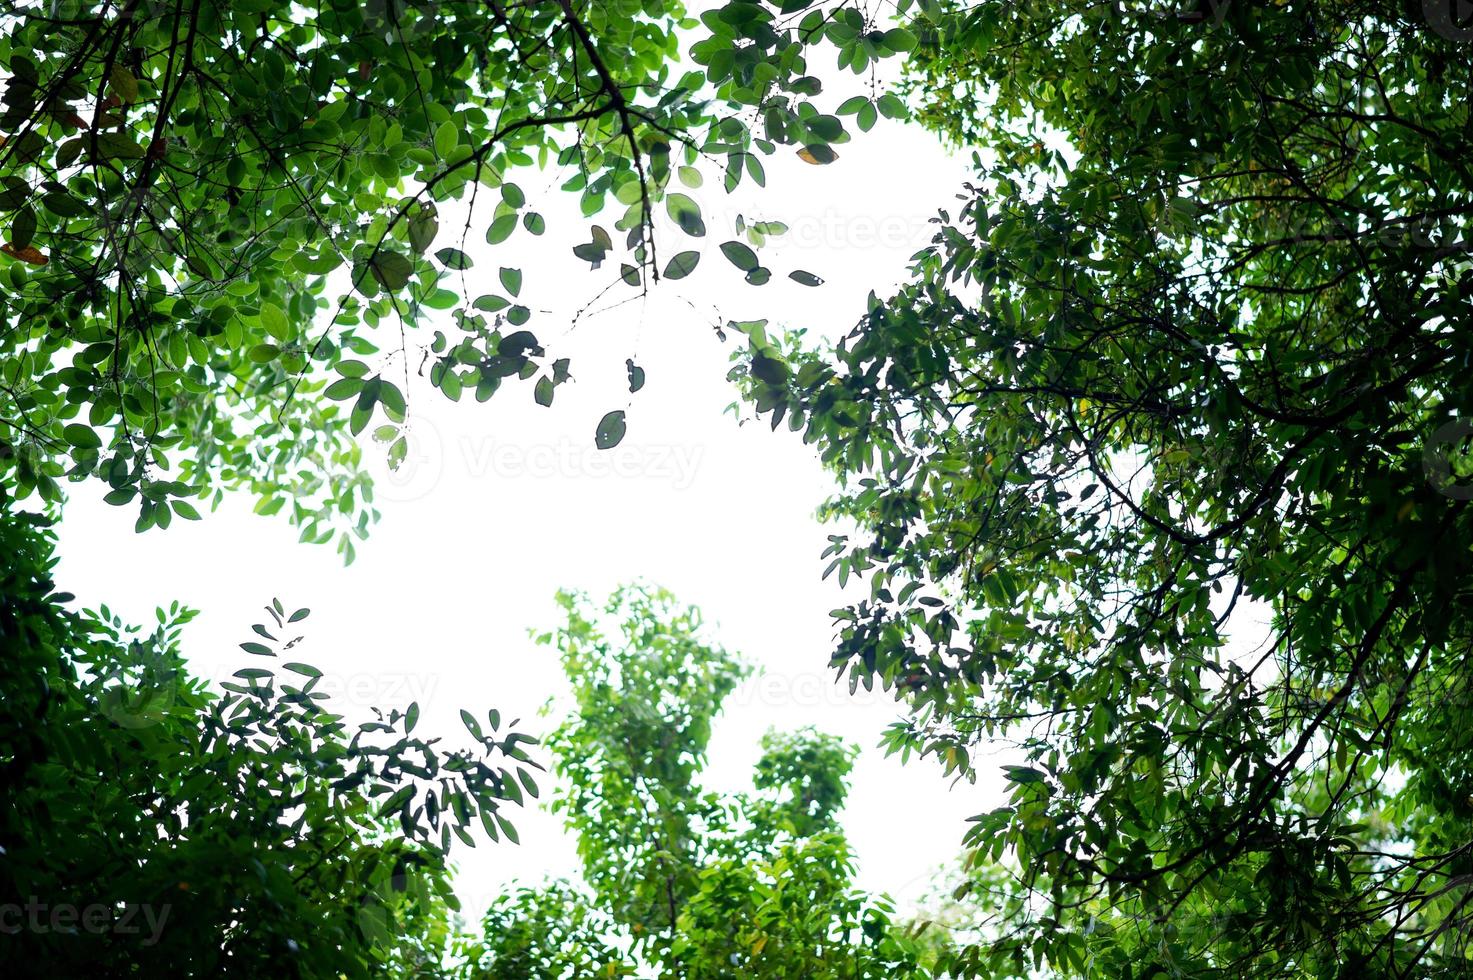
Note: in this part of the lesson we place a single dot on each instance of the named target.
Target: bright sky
(501, 504)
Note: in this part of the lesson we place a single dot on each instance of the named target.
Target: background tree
(686, 882)
(1196, 335)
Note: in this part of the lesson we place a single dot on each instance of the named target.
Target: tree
(685, 882)
(224, 220)
(1195, 337)
(220, 256)
(152, 824)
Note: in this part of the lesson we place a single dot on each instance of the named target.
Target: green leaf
(16, 193)
(453, 258)
(740, 255)
(1023, 774)
(306, 670)
(275, 322)
(511, 280)
(63, 205)
(891, 107)
(900, 39)
(115, 146)
(636, 375)
(528, 782)
(501, 229)
(423, 228)
(686, 214)
(122, 83)
(611, 429)
(396, 801)
(81, 436)
(827, 128)
(682, 265)
(23, 228)
(446, 138)
(343, 389)
(391, 269)
(768, 369)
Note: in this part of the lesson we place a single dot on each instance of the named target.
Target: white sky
(503, 503)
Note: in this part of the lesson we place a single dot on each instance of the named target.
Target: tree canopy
(222, 250)
(1195, 338)
(224, 245)
(1191, 345)
(685, 881)
(154, 824)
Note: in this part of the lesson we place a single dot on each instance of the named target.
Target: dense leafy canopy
(688, 883)
(224, 254)
(246, 830)
(1193, 345)
(221, 260)
(1195, 341)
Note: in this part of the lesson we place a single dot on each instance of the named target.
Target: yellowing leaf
(817, 154)
(30, 254)
(123, 84)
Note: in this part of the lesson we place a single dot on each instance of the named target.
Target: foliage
(224, 253)
(257, 830)
(685, 882)
(1194, 344)
(1195, 339)
(222, 258)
